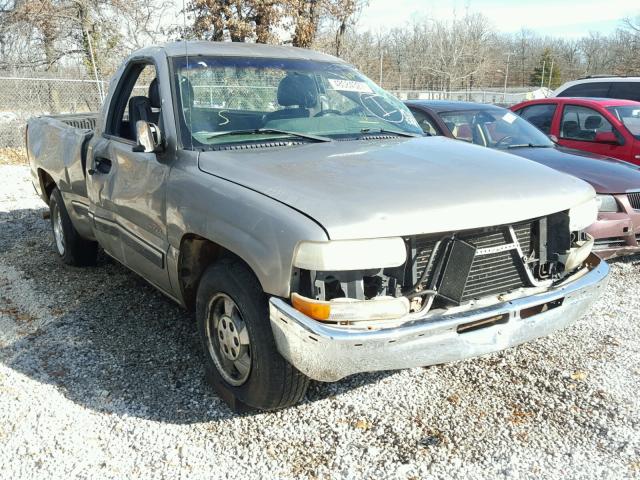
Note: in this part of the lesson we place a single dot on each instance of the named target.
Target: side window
(426, 124)
(540, 115)
(625, 90)
(459, 124)
(582, 123)
(137, 98)
(588, 89)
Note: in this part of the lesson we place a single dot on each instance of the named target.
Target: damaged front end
(435, 298)
(439, 271)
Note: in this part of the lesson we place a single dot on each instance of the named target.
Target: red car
(598, 125)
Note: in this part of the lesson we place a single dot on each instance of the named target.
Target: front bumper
(617, 233)
(328, 353)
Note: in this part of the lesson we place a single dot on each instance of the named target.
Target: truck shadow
(107, 340)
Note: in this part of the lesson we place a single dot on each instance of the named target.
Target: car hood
(379, 188)
(605, 174)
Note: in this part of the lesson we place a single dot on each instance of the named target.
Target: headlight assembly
(341, 255)
(607, 203)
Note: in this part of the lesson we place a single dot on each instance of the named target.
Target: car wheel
(241, 358)
(72, 249)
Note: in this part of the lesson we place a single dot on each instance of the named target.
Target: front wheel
(241, 358)
(71, 247)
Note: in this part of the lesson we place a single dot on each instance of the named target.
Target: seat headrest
(297, 89)
(154, 94)
(592, 122)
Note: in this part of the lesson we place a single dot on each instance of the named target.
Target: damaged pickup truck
(299, 210)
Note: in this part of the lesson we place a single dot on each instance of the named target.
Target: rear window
(625, 90)
(589, 89)
(540, 115)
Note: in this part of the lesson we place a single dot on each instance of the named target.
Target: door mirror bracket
(148, 138)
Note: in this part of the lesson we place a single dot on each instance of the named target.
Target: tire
(72, 249)
(270, 382)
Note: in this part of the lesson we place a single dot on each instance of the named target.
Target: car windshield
(266, 98)
(495, 128)
(629, 116)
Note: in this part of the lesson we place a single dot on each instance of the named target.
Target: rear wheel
(242, 361)
(71, 247)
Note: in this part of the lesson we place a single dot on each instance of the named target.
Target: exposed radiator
(492, 272)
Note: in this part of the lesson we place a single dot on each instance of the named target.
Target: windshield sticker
(509, 117)
(378, 106)
(349, 85)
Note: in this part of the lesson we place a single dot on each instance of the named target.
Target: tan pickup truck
(300, 211)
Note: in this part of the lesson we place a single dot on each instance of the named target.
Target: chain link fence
(24, 97)
(502, 98)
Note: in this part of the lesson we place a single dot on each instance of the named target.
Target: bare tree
(237, 20)
(342, 14)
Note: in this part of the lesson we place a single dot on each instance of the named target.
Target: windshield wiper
(392, 132)
(528, 145)
(257, 131)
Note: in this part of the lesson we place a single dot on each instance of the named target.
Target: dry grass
(13, 156)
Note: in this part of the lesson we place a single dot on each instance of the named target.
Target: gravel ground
(101, 377)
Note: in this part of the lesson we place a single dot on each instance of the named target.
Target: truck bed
(57, 150)
(57, 145)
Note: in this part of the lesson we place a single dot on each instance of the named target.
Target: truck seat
(295, 90)
(142, 108)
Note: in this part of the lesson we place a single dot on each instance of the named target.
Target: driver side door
(127, 189)
(580, 128)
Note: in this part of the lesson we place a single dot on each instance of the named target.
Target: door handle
(101, 165)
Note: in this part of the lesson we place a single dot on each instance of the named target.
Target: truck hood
(605, 174)
(380, 188)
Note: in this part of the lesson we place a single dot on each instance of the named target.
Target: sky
(565, 18)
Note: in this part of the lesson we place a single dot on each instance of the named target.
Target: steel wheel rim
(228, 342)
(58, 232)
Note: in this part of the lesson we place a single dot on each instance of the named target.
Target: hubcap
(58, 232)
(228, 340)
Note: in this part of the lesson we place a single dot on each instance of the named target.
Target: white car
(624, 88)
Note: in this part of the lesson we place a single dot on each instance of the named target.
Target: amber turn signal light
(315, 309)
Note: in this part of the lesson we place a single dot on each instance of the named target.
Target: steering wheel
(503, 140)
(354, 110)
(322, 113)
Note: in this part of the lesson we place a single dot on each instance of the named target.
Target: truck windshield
(267, 98)
(495, 128)
(630, 117)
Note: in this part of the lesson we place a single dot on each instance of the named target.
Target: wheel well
(196, 255)
(46, 183)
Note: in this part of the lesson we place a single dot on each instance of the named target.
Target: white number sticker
(509, 117)
(349, 86)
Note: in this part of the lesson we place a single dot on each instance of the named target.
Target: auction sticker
(349, 85)
(509, 117)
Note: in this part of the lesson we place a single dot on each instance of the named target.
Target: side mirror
(148, 137)
(606, 137)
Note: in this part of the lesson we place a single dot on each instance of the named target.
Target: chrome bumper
(328, 353)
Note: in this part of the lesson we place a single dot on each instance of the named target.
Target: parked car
(300, 211)
(617, 230)
(623, 88)
(602, 126)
